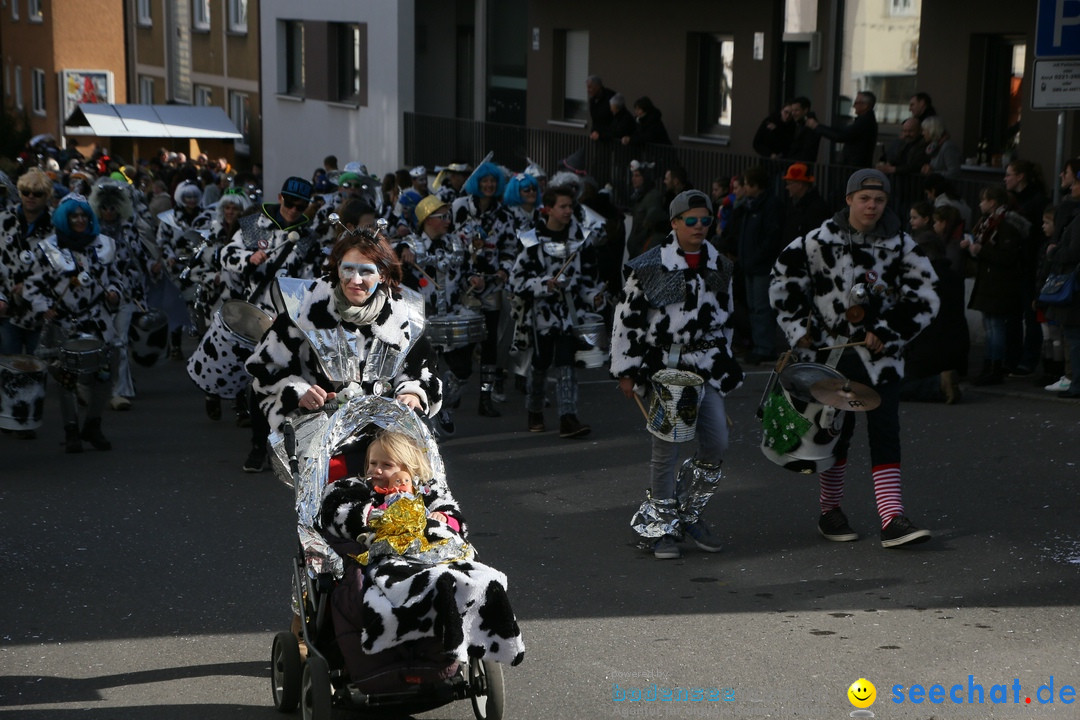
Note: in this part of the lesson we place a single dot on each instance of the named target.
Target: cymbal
(845, 394)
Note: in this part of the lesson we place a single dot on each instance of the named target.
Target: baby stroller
(415, 676)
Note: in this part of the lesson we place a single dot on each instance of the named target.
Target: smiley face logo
(862, 693)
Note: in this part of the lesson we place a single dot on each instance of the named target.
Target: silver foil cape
(694, 487)
(340, 352)
(319, 437)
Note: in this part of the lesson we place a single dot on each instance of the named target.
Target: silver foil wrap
(319, 437)
(694, 486)
(655, 518)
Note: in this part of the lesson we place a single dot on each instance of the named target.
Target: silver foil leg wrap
(655, 518)
(695, 485)
(566, 390)
(488, 375)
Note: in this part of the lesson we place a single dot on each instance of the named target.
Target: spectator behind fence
(859, 136)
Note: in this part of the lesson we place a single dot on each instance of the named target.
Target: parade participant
(76, 284)
(859, 279)
(475, 216)
(675, 311)
(419, 179)
(111, 201)
(22, 227)
(555, 281)
(179, 232)
(360, 295)
(450, 182)
(436, 264)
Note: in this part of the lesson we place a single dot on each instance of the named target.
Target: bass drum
(22, 391)
(148, 336)
(798, 432)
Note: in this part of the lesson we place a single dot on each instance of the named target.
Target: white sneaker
(1061, 385)
(119, 402)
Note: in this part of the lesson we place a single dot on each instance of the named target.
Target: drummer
(859, 279)
(178, 235)
(675, 312)
(436, 264)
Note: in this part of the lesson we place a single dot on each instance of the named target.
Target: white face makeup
(366, 272)
(359, 276)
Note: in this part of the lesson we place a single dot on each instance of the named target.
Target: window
(18, 87)
(1001, 61)
(238, 16)
(575, 70)
(14, 9)
(33, 11)
(715, 74)
(204, 96)
(37, 91)
(240, 114)
(880, 54)
(291, 62)
(352, 63)
(200, 15)
(899, 8)
(142, 10)
(146, 90)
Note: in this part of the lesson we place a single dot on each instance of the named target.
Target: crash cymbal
(845, 394)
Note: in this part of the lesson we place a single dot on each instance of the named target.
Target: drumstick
(838, 347)
(641, 407)
(566, 264)
(430, 279)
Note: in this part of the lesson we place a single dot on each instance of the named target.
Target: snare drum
(217, 365)
(22, 391)
(798, 432)
(676, 400)
(148, 336)
(246, 321)
(83, 355)
(591, 330)
(456, 330)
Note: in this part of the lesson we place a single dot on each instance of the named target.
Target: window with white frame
(238, 16)
(291, 62)
(900, 8)
(18, 87)
(240, 114)
(146, 90)
(200, 15)
(33, 11)
(204, 96)
(716, 72)
(575, 71)
(144, 15)
(351, 63)
(37, 91)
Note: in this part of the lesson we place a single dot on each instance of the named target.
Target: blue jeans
(762, 316)
(712, 439)
(15, 340)
(994, 327)
(1072, 337)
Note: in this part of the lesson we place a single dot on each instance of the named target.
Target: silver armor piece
(656, 518)
(694, 487)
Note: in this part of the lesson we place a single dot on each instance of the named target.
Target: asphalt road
(148, 582)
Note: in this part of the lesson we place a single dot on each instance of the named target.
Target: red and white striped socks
(831, 482)
(887, 492)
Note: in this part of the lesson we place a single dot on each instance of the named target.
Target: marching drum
(799, 432)
(148, 335)
(456, 329)
(217, 365)
(676, 400)
(22, 391)
(83, 354)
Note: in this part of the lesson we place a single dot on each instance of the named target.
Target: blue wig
(483, 170)
(512, 195)
(69, 204)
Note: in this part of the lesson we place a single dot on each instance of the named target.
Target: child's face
(917, 221)
(385, 473)
(1048, 225)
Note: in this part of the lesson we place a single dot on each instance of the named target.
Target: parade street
(149, 581)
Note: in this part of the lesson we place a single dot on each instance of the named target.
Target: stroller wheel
(285, 672)
(315, 691)
(487, 689)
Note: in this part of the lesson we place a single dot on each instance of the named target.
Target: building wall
(640, 48)
(437, 24)
(298, 133)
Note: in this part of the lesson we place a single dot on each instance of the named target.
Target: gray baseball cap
(688, 200)
(868, 179)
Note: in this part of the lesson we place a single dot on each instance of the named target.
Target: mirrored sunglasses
(692, 221)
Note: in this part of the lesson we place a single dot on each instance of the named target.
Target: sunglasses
(440, 216)
(32, 193)
(692, 221)
(294, 204)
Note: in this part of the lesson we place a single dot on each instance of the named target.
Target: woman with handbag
(1063, 264)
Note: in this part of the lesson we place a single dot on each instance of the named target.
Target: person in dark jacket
(859, 136)
(650, 127)
(600, 114)
(622, 122)
(803, 146)
(805, 208)
(773, 136)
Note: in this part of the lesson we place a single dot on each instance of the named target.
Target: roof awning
(151, 121)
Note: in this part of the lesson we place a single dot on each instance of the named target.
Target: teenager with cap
(859, 279)
(675, 312)
(275, 241)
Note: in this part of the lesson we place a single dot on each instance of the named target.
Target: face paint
(364, 272)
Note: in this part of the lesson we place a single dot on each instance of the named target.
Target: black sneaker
(701, 535)
(446, 422)
(900, 531)
(833, 525)
(256, 461)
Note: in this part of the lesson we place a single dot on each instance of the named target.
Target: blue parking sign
(1057, 29)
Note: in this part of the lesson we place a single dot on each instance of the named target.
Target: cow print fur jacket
(398, 599)
(284, 366)
(812, 283)
(663, 303)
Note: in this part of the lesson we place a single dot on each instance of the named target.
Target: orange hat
(798, 172)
